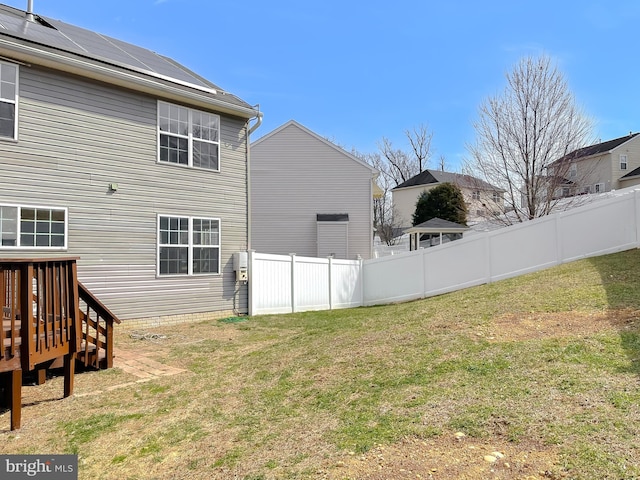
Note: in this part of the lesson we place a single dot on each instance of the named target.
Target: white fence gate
(281, 283)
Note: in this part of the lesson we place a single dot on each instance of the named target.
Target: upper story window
(188, 246)
(623, 162)
(475, 195)
(496, 197)
(33, 227)
(573, 170)
(8, 100)
(188, 137)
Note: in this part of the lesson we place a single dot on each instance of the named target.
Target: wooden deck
(49, 319)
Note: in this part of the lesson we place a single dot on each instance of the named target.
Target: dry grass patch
(373, 392)
(541, 325)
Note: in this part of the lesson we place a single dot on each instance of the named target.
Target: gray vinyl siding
(295, 176)
(75, 138)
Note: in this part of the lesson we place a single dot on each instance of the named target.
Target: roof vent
(30, 17)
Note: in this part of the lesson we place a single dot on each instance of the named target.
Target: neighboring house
(482, 199)
(126, 159)
(309, 196)
(599, 168)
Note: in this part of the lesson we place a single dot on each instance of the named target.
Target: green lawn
(546, 362)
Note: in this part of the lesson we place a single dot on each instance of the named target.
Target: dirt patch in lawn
(519, 327)
(449, 457)
(454, 456)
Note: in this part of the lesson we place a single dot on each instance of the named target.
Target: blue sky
(355, 72)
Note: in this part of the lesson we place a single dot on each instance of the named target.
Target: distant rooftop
(427, 177)
(598, 148)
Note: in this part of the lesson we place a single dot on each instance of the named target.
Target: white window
(33, 227)
(496, 197)
(188, 137)
(623, 162)
(188, 246)
(598, 188)
(573, 170)
(8, 100)
(475, 195)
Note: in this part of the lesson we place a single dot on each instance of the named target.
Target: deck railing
(96, 348)
(47, 316)
(10, 308)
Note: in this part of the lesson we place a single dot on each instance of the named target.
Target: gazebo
(436, 228)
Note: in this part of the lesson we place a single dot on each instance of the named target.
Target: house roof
(49, 42)
(437, 225)
(265, 137)
(631, 174)
(597, 149)
(427, 177)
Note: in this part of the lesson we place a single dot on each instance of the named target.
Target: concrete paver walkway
(141, 366)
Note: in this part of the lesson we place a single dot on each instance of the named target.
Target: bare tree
(523, 133)
(420, 141)
(398, 165)
(401, 165)
(384, 218)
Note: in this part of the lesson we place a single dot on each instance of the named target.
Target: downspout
(249, 252)
(258, 120)
(253, 128)
(30, 17)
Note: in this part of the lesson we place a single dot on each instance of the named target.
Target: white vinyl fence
(288, 283)
(281, 283)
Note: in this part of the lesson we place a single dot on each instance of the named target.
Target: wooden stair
(41, 300)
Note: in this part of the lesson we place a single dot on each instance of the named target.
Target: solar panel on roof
(72, 39)
(35, 32)
(85, 42)
(106, 48)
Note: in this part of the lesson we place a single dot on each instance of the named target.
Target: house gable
(305, 130)
(296, 175)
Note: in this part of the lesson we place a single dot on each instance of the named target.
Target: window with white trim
(623, 162)
(188, 245)
(8, 100)
(573, 170)
(33, 227)
(188, 137)
(598, 188)
(496, 197)
(475, 195)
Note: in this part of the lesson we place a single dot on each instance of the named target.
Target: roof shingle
(427, 177)
(597, 148)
